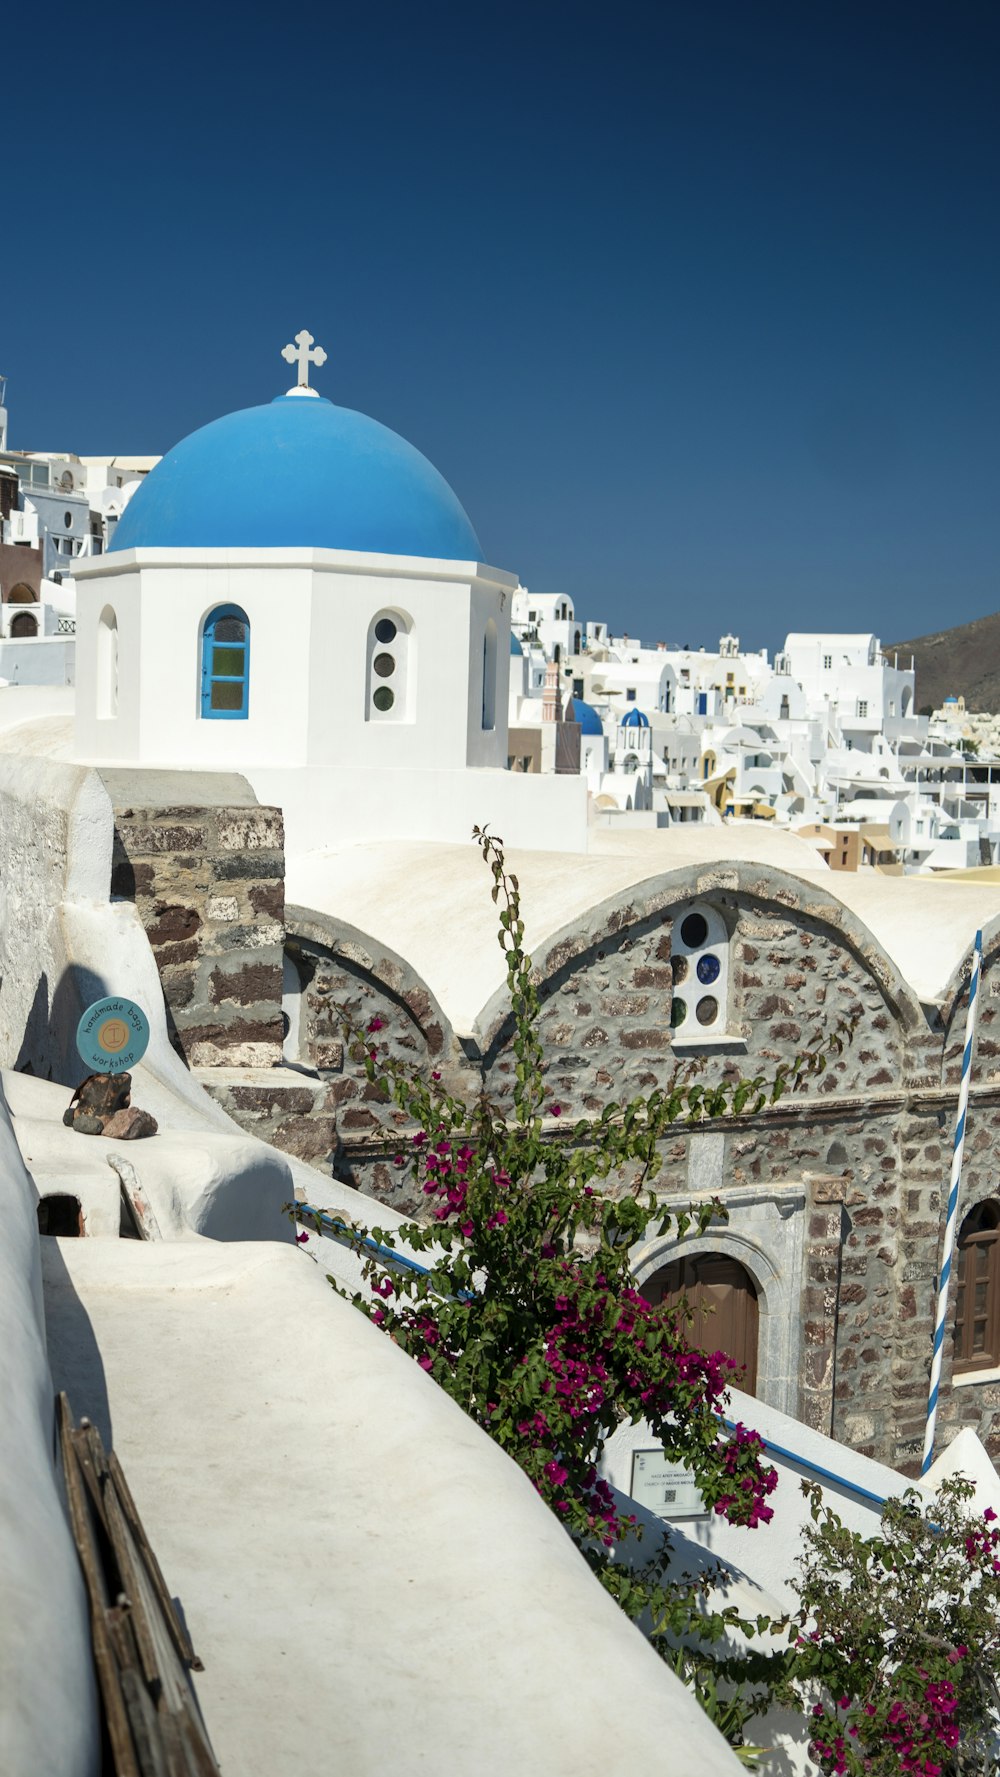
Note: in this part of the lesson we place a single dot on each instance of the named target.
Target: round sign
(112, 1035)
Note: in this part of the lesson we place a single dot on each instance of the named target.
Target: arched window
(722, 1298)
(225, 664)
(391, 668)
(976, 1338)
(22, 594)
(107, 665)
(23, 625)
(490, 675)
(699, 966)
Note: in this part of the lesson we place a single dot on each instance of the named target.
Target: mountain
(960, 662)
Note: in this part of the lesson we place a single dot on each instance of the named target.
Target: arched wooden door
(723, 1299)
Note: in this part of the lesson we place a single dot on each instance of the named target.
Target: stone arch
(768, 1246)
(24, 624)
(953, 1005)
(634, 916)
(22, 594)
(332, 964)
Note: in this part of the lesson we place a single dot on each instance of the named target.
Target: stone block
(222, 907)
(249, 866)
(166, 839)
(172, 924)
(250, 984)
(257, 829)
(268, 899)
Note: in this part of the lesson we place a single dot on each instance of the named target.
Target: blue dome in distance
(586, 715)
(634, 719)
(297, 472)
(515, 646)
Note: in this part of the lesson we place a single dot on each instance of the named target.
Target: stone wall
(207, 879)
(346, 980)
(859, 1158)
(860, 1155)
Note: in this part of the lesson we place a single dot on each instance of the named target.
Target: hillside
(960, 662)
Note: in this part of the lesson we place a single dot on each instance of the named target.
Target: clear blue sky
(696, 305)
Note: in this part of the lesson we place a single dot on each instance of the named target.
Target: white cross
(304, 352)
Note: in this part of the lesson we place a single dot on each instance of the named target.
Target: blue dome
(586, 715)
(515, 646)
(297, 472)
(635, 719)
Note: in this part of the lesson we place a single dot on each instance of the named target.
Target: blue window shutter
(225, 682)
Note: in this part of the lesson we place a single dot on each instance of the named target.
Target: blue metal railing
(341, 1232)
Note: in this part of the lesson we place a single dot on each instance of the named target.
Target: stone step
(285, 1106)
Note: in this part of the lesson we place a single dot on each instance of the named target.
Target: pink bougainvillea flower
(376, 1024)
(556, 1110)
(301, 1238)
(384, 1286)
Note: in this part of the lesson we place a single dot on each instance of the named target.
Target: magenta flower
(375, 1024)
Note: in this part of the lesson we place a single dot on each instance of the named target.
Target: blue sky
(696, 306)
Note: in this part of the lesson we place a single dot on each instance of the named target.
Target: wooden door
(723, 1300)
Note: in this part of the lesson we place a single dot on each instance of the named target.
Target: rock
(101, 1105)
(130, 1125)
(87, 1125)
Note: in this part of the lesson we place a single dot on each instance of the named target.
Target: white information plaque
(664, 1487)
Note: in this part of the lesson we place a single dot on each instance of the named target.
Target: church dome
(515, 646)
(297, 473)
(586, 715)
(635, 719)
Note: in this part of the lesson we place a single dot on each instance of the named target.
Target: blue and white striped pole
(952, 1216)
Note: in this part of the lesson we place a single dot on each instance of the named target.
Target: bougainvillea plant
(527, 1313)
(900, 1633)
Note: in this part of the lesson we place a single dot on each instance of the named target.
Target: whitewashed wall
(48, 1706)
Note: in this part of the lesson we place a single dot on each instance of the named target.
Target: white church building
(295, 589)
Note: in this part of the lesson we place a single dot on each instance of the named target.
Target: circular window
(678, 1013)
(708, 969)
(384, 698)
(678, 969)
(385, 630)
(68, 520)
(694, 931)
(707, 1009)
(384, 665)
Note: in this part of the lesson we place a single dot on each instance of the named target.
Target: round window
(678, 1013)
(385, 630)
(678, 969)
(708, 969)
(694, 931)
(707, 1009)
(384, 665)
(383, 698)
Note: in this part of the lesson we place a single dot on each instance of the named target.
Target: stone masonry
(866, 1143)
(860, 1155)
(208, 885)
(207, 879)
